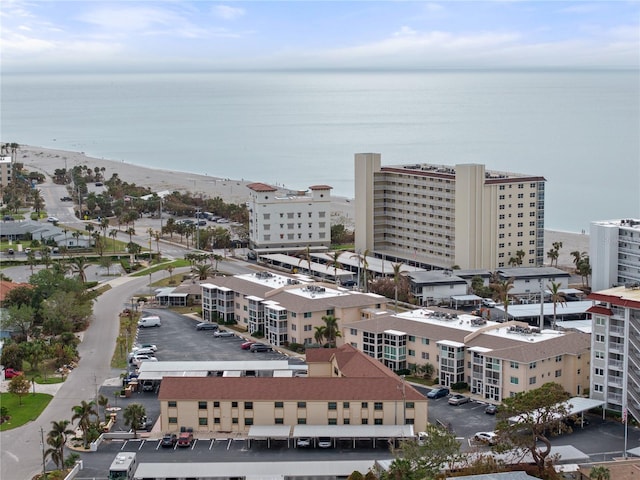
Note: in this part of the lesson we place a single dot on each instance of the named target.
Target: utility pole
(44, 469)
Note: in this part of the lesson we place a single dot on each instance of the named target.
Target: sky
(116, 36)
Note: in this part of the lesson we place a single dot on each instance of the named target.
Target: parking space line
(141, 445)
(229, 443)
(159, 443)
(193, 445)
(212, 443)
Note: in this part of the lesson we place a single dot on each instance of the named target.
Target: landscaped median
(18, 411)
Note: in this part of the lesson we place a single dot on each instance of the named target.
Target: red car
(246, 345)
(11, 372)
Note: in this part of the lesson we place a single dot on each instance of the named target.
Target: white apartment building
(285, 308)
(5, 170)
(614, 253)
(496, 360)
(284, 222)
(442, 216)
(615, 348)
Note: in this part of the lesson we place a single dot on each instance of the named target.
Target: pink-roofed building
(287, 221)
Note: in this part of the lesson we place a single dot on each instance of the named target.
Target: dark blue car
(438, 392)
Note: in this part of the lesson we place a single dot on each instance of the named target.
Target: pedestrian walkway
(49, 388)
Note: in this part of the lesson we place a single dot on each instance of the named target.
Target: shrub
(460, 386)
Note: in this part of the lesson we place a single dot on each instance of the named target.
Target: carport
(157, 370)
(574, 406)
(465, 300)
(269, 432)
(354, 432)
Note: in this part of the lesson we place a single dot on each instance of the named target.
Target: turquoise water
(579, 129)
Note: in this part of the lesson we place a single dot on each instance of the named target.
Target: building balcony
(614, 398)
(615, 381)
(616, 347)
(616, 331)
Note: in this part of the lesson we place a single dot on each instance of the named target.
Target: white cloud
(581, 9)
(129, 18)
(433, 7)
(404, 30)
(228, 13)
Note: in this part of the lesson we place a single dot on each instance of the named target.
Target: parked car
(259, 347)
(223, 333)
(142, 351)
(458, 399)
(325, 442)
(169, 440)
(487, 302)
(491, 409)
(52, 220)
(150, 346)
(140, 359)
(152, 321)
(185, 439)
(486, 437)
(10, 251)
(304, 442)
(146, 424)
(66, 199)
(11, 372)
(246, 345)
(207, 326)
(8, 218)
(438, 392)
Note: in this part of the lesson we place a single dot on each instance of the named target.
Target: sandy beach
(232, 191)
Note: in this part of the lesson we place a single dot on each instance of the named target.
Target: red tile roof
(320, 187)
(600, 310)
(6, 287)
(285, 389)
(261, 187)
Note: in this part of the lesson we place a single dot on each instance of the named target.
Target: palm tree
(57, 437)
(83, 414)
(336, 264)
(216, 258)
(131, 231)
(362, 259)
(133, 416)
(306, 255)
(45, 257)
(32, 260)
(157, 236)
(577, 257)
(79, 265)
(38, 201)
(202, 270)
(318, 335)
(331, 329)
(113, 233)
(103, 402)
(584, 269)
(76, 234)
(170, 269)
(600, 472)
(396, 279)
(552, 255)
(501, 293)
(556, 297)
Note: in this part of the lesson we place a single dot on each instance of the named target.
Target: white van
(152, 321)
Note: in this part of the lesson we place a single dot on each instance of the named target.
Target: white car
(52, 219)
(150, 346)
(486, 437)
(142, 351)
(140, 359)
(223, 333)
(487, 302)
(304, 442)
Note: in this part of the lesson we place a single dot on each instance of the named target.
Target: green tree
(202, 270)
(538, 411)
(318, 334)
(113, 233)
(45, 257)
(584, 269)
(57, 438)
(133, 417)
(501, 290)
(397, 271)
(335, 263)
(79, 266)
(557, 297)
(170, 269)
(84, 413)
(37, 201)
(19, 386)
(331, 329)
(424, 460)
(32, 260)
(106, 262)
(600, 472)
(102, 403)
(18, 318)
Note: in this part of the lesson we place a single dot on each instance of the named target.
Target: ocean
(579, 129)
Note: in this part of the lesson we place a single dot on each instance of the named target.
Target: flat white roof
(251, 470)
(353, 431)
(269, 431)
(574, 406)
(395, 332)
(533, 309)
(200, 369)
(374, 264)
(450, 343)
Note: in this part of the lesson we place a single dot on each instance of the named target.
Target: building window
(365, 421)
(302, 421)
(234, 404)
(216, 404)
(558, 373)
(279, 421)
(216, 420)
(172, 404)
(173, 419)
(600, 321)
(515, 380)
(559, 358)
(377, 406)
(279, 404)
(533, 365)
(514, 365)
(599, 354)
(234, 420)
(532, 380)
(424, 355)
(377, 421)
(412, 353)
(332, 421)
(599, 371)
(599, 338)
(425, 341)
(333, 406)
(346, 421)
(203, 421)
(302, 404)
(353, 331)
(365, 404)
(248, 421)
(598, 387)
(409, 405)
(248, 405)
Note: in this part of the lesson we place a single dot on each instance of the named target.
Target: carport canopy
(269, 431)
(464, 299)
(574, 406)
(353, 431)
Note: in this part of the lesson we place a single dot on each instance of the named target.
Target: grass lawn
(31, 408)
(162, 266)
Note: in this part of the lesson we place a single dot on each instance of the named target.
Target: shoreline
(47, 160)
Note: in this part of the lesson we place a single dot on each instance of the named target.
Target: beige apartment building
(5, 171)
(286, 308)
(443, 216)
(289, 221)
(344, 387)
(615, 348)
(496, 360)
